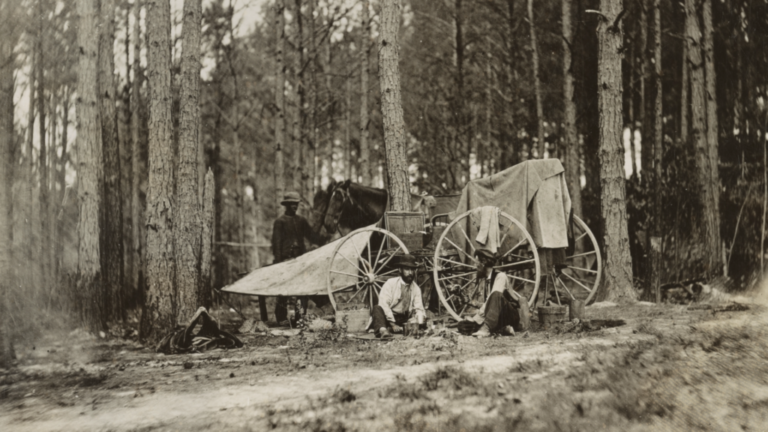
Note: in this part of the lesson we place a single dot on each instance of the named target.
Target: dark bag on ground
(208, 336)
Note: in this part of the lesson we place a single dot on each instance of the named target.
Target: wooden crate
(407, 226)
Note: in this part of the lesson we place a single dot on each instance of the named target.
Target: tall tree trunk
(714, 246)
(348, 126)
(161, 305)
(645, 136)
(618, 262)
(461, 134)
(485, 155)
(205, 293)
(631, 113)
(45, 241)
(706, 167)
(365, 52)
(111, 232)
(188, 227)
(312, 118)
(7, 137)
(29, 187)
(63, 193)
(136, 103)
(655, 249)
(89, 160)
(537, 83)
(684, 97)
(511, 89)
(279, 100)
(571, 143)
(391, 107)
(298, 119)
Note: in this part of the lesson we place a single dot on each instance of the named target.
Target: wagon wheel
(580, 274)
(359, 266)
(455, 265)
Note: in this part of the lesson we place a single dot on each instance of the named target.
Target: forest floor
(668, 367)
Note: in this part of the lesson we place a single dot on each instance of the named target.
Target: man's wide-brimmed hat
(485, 253)
(407, 261)
(291, 198)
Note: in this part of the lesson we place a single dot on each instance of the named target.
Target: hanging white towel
(488, 234)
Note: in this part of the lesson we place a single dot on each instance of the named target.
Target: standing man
(399, 300)
(288, 234)
(505, 310)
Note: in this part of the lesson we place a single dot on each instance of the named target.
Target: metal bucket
(549, 315)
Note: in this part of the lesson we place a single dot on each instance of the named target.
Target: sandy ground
(667, 368)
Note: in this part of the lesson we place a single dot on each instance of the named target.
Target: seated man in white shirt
(505, 310)
(399, 300)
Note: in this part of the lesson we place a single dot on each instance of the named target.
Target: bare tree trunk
(684, 97)
(312, 180)
(706, 167)
(89, 159)
(571, 136)
(280, 100)
(136, 103)
(485, 156)
(391, 107)
(161, 306)
(365, 52)
(714, 245)
(7, 136)
(645, 138)
(111, 232)
(205, 293)
(59, 245)
(631, 113)
(348, 126)
(331, 104)
(298, 119)
(536, 83)
(655, 250)
(188, 224)
(29, 188)
(45, 241)
(618, 263)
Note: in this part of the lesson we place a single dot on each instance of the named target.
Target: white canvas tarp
(302, 276)
(533, 192)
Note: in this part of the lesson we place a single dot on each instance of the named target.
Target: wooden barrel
(549, 315)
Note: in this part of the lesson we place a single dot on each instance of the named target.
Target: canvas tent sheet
(302, 276)
(533, 192)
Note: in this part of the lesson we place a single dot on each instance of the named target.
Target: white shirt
(391, 294)
(500, 283)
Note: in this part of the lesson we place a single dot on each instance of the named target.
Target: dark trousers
(500, 312)
(380, 318)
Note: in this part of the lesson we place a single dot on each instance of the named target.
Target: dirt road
(667, 368)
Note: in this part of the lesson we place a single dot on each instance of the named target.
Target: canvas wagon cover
(302, 276)
(533, 192)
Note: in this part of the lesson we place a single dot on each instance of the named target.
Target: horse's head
(338, 198)
(319, 207)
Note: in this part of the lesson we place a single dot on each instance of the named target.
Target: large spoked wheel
(455, 272)
(580, 274)
(360, 265)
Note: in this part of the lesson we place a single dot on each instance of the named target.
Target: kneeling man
(505, 310)
(399, 300)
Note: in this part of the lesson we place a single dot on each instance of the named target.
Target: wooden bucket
(549, 315)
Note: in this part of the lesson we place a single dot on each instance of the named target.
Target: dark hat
(408, 261)
(291, 198)
(485, 253)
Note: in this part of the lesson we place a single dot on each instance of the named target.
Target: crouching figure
(505, 311)
(399, 300)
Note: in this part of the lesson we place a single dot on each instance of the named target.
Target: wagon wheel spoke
(456, 276)
(581, 255)
(564, 286)
(378, 254)
(344, 273)
(362, 288)
(389, 258)
(360, 256)
(520, 243)
(575, 280)
(469, 242)
(514, 264)
(385, 274)
(460, 250)
(346, 287)
(582, 269)
(456, 262)
(353, 264)
(520, 278)
(370, 263)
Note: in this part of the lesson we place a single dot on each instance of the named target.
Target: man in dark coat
(288, 234)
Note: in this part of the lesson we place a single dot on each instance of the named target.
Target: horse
(346, 206)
